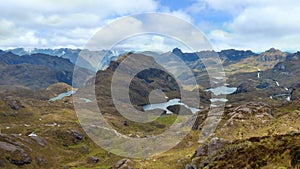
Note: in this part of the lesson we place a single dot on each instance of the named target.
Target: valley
(41, 128)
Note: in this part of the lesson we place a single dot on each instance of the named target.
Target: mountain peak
(272, 55)
(273, 50)
(177, 51)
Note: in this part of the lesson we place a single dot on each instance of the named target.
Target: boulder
(13, 104)
(76, 134)
(124, 164)
(93, 159)
(39, 140)
(210, 148)
(15, 154)
(190, 166)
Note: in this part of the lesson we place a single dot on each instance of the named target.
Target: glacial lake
(172, 102)
(222, 90)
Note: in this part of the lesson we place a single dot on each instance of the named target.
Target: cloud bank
(241, 24)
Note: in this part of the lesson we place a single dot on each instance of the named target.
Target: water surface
(172, 102)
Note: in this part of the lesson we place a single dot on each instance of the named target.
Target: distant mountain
(185, 56)
(263, 61)
(55, 63)
(1, 52)
(60, 60)
(54, 52)
(35, 71)
(232, 55)
(94, 60)
(268, 83)
(286, 72)
(271, 55)
(293, 56)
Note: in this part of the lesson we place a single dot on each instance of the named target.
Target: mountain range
(258, 129)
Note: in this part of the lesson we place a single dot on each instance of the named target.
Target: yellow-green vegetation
(177, 157)
(56, 122)
(257, 152)
(264, 61)
(53, 123)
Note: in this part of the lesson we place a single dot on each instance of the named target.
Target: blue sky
(241, 24)
(176, 5)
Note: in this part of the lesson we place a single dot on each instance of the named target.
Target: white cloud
(111, 33)
(248, 24)
(6, 29)
(47, 23)
(196, 7)
(134, 30)
(29, 38)
(68, 21)
(257, 24)
(268, 20)
(234, 6)
(150, 42)
(102, 8)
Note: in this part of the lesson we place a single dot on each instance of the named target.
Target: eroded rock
(211, 147)
(76, 134)
(93, 159)
(15, 154)
(124, 164)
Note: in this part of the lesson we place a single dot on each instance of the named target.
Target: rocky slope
(253, 135)
(261, 62)
(271, 85)
(35, 71)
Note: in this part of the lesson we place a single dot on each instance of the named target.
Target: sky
(240, 24)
